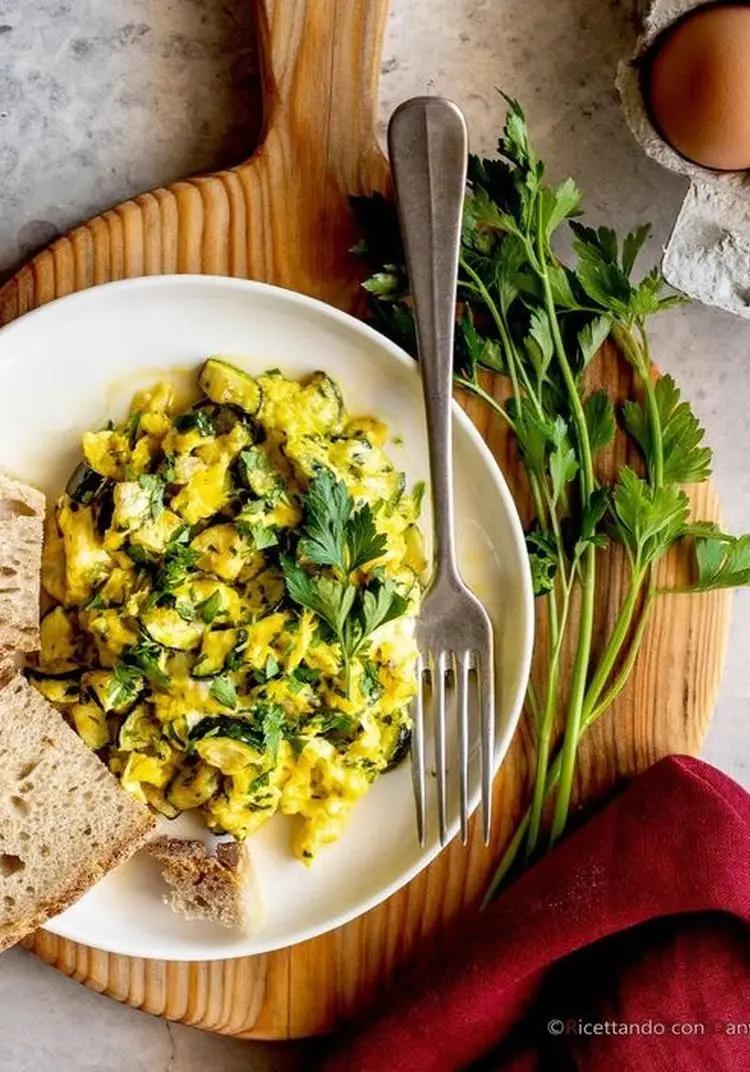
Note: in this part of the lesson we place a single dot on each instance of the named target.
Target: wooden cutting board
(282, 217)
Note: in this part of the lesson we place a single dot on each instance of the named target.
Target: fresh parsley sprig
(343, 538)
(335, 533)
(351, 613)
(539, 321)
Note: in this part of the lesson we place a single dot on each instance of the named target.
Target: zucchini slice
(60, 690)
(256, 472)
(86, 485)
(166, 627)
(227, 755)
(192, 786)
(139, 730)
(400, 750)
(112, 690)
(229, 385)
(323, 404)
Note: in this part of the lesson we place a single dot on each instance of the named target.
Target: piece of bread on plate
(65, 821)
(21, 532)
(204, 885)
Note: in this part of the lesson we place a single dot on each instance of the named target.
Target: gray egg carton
(708, 254)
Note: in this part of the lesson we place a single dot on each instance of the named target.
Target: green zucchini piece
(255, 472)
(400, 749)
(113, 690)
(86, 485)
(158, 801)
(227, 755)
(139, 730)
(229, 385)
(61, 691)
(237, 729)
(324, 403)
(168, 628)
(193, 786)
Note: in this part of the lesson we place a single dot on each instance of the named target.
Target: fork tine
(417, 752)
(485, 689)
(462, 702)
(438, 670)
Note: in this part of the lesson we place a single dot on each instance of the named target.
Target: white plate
(72, 364)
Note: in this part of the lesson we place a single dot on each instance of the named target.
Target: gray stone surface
(102, 100)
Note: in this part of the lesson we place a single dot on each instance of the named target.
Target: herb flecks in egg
(235, 587)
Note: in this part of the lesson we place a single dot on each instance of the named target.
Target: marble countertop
(101, 101)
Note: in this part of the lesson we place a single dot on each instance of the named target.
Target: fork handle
(428, 148)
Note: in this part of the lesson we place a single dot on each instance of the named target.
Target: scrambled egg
(175, 645)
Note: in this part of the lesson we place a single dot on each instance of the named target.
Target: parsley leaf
(686, 460)
(538, 343)
(223, 691)
(124, 686)
(477, 351)
(198, 420)
(263, 537)
(649, 519)
(364, 542)
(237, 729)
(563, 463)
(145, 657)
(558, 203)
(592, 337)
(209, 608)
(723, 562)
(327, 598)
(154, 485)
(328, 507)
(273, 721)
(380, 604)
(336, 534)
(543, 560)
(600, 419)
(177, 561)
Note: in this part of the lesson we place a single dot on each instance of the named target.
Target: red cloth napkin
(627, 949)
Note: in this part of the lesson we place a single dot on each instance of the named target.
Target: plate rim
(305, 301)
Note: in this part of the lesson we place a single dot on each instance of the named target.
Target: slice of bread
(65, 821)
(21, 530)
(202, 885)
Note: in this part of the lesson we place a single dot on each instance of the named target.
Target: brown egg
(698, 86)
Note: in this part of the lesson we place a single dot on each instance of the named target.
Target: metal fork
(428, 149)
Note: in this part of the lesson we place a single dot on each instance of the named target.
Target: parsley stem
(657, 437)
(476, 389)
(588, 558)
(592, 712)
(515, 366)
(615, 641)
(545, 729)
(533, 701)
(592, 709)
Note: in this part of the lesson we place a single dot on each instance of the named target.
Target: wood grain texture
(282, 217)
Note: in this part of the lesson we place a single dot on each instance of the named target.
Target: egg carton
(708, 253)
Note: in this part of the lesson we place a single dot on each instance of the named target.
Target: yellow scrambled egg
(232, 597)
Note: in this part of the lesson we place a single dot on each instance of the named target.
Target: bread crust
(127, 833)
